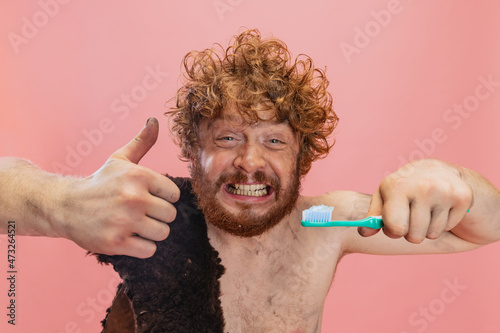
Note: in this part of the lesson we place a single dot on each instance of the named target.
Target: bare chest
(277, 289)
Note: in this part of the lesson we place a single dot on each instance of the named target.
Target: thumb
(374, 210)
(140, 145)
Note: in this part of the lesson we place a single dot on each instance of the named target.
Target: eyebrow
(237, 120)
(220, 122)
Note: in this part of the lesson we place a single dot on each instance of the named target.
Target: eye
(225, 138)
(225, 141)
(275, 144)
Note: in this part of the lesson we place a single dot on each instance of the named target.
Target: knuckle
(386, 181)
(462, 200)
(463, 196)
(114, 240)
(165, 233)
(172, 215)
(415, 238)
(400, 184)
(433, 234)
(429, 187)
(398, 230)
(132, 196)
(392, 185)
(134, 173)
(149, 251)
(392, 181)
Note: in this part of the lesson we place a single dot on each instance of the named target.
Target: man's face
(246, 176)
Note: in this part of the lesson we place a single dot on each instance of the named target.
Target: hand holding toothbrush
(420, 200)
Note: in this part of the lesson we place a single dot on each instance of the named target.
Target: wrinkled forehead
(235, 117)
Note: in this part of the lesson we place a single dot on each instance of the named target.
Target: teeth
(247, 187)
(254, 190)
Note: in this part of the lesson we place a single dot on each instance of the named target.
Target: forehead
(234, 116)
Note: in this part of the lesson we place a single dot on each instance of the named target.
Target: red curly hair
(256, 74)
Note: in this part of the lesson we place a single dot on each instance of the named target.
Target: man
(250, 122)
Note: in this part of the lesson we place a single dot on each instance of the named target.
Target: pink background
(65, 75)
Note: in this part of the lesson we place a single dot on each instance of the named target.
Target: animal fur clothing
(177, 289)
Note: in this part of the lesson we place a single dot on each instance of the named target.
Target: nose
(250, 159)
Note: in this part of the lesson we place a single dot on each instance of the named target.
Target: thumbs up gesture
(123, 207)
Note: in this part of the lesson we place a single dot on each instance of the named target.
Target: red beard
(246, 223)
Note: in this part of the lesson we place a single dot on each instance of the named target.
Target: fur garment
(177, 289)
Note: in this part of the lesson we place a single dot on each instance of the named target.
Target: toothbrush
(320, 216)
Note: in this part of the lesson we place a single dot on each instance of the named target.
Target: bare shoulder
(348, 205)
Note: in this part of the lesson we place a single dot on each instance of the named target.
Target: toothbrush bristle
(319, 213)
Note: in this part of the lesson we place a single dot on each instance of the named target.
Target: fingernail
(151, 120)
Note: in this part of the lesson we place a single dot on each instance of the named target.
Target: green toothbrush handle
(374, 222)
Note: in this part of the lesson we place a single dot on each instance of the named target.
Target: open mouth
(251, 190)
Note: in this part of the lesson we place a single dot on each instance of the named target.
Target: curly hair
(255, 74)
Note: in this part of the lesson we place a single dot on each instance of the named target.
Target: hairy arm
(120, 209)
(29, 196)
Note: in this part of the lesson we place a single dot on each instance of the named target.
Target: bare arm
(120, 209)
(482, 224)
(28, 196)
(424, 207)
